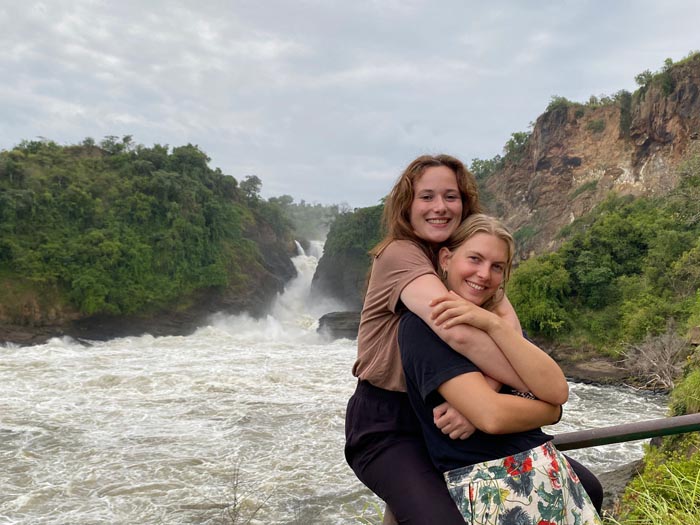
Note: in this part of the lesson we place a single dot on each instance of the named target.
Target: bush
(588, 186)
(658, 361)
(624, 100)
(515, 147)
(537, 290)
(558, 102)
(596, 126)
(685, 398)
(644, 316)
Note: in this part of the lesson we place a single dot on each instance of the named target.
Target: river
(240, 422)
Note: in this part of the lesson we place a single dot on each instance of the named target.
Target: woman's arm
(540, 372)
(469, 341)
(492, 412)
(505, 310)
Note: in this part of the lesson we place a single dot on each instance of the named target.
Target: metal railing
(629, 432)
(615, 434)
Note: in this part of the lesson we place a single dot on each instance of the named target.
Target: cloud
(324, 100)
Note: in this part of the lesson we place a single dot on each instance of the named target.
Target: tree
(483, 169)
(516, 145)
(250, 186)
(644, 78)
(537, 290)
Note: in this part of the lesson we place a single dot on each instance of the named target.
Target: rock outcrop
(614, 483)
(343, 277)
(338, 325)
(578, 154)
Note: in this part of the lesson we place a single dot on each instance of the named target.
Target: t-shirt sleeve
(402, 262)
(427, 360)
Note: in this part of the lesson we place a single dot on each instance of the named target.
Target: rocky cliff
(342, 271)
(579, 153)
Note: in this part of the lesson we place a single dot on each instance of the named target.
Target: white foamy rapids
(154, 430)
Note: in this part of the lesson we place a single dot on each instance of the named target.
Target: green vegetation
(668, 490)
(625, 270)
(355, 233)
(515, 146)
(558, 102)
(685, 398)
(588, 186)
(596, 126)
(624, 100)
(371, 514)
(663, 78)
(524, 234)
(119, 228)
(483, 169)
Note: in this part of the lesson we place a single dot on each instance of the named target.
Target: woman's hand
(451, 309)
(451, 422)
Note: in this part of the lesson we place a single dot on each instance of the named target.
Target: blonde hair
(480, 223)
(396, 218)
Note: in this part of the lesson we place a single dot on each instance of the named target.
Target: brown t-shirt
(378, 356)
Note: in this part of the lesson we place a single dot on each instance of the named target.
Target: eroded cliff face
(576, 155)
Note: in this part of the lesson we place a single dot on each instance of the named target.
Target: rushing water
(244, 414)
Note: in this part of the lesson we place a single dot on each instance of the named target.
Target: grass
(371, 514)
(672, 500)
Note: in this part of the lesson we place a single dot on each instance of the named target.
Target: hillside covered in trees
(117, 229)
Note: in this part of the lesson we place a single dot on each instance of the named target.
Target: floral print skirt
(535, 487)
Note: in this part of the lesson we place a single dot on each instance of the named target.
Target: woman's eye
(451, 197)
(498, 268)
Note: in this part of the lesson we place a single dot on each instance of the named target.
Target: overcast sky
(326, 101)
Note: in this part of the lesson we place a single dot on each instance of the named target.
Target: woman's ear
(444, 256)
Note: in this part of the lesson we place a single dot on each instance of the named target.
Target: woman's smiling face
(436, 210)
(476, 268)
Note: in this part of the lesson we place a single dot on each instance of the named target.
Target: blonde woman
(507, 472)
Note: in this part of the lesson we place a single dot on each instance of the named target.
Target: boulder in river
(340, 324)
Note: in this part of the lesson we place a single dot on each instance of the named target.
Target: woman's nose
(439, 204)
